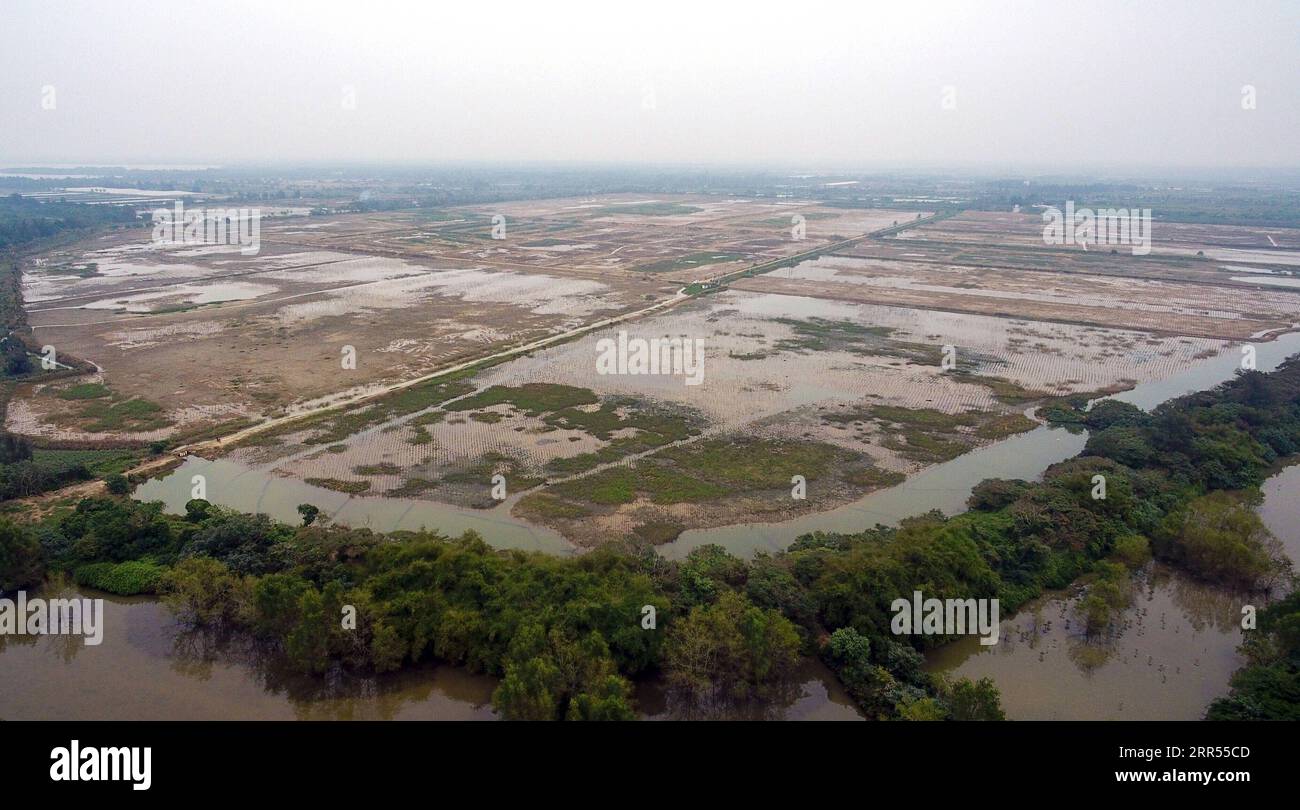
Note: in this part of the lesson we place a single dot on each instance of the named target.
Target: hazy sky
(845, 85)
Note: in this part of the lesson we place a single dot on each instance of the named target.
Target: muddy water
(150, 667)
(815, 695)
(1173, 654)
(235, 485)
(1280, 510)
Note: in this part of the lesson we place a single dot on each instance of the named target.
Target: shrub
(124, 579)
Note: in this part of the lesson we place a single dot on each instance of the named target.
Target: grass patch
(100, 463)
(654, 427)
(872, 477)
(101, 410)
(490, 464)
(533, 399)
(134, 415)
(754, 464)
(377, 469)
(652, 209)
(607, 488)
(337, 427)
(350, 487)
(821, 334)
(1003, 390)
(999, 427)
(700, 259)
(202, 433)
(85, 391)
(668, 485)
(657, 533)
(545, 505)
(920, 446)
(924, 417)
(706, 471)
(412, 487)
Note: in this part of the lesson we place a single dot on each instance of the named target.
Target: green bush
(124, 579)
(21, 561)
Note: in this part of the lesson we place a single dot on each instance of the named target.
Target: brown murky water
(815, 695)
(149, 667)
(1280, 510)
(1173, 654)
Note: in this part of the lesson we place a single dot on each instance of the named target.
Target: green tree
(528, 691)
(730, 649)
(978, 700)
(309, 513)
(1125, 444)
(610, 699)
(1221, 537)
(21, 561)
(205, 592)
(117, 484)
(307, 645)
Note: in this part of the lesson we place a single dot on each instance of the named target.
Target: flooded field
(943, 486)
(1228, 311)
(852, 370)
(403, 294)
(262, 334)
(1026, 228)
(777, 368)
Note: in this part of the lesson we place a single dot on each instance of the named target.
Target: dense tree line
(567, 635)
(25, 219)
(20, 476)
